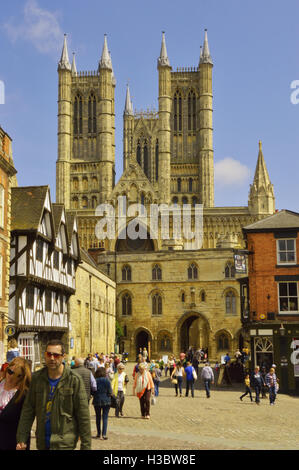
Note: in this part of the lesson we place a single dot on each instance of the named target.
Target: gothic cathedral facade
(169, 296)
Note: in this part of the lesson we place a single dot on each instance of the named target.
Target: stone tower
(174, 146)
(85, 169)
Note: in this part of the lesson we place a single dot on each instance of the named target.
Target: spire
(163, 59)
(128, 105)
(64, 63)
(105, 62)
(113, 76)
(74, 68)
(261, 176)
(206, 56)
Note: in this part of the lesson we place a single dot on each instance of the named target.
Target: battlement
(92, 73)
(148, 114)
(186, 70)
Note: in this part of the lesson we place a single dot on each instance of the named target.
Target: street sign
(10, 330)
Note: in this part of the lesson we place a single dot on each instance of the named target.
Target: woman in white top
(178, 374)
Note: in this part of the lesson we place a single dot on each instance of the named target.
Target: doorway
(143, 341)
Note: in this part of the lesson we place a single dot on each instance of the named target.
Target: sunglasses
(55, 355)
(11, 372)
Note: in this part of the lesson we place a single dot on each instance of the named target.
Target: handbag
(194, 374)
(153, 401)
(113, 401)
(174, 381)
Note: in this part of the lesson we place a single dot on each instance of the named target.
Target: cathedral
(170, 294)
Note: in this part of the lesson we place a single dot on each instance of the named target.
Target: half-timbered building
(43, 262)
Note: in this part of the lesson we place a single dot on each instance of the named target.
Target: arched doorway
(143, 340)
(193, 331)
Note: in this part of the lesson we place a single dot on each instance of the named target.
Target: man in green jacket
(57, 398)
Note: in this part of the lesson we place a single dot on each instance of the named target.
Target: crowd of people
(58, 395)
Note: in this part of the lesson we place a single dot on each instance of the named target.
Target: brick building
(7, 172)
(269, 295)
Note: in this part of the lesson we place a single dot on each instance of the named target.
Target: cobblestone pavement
(221, 422)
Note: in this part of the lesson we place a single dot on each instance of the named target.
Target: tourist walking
(119, 388)
(13, 390)
(271, 382)
(86, 375)
(143, 387)
(102, 402)
(57, 398)
(171, 365)
(177, 375)
(156, 375)
(207, 376)
(189, 370)
(247, 388)
(13, 350)
(257, 383)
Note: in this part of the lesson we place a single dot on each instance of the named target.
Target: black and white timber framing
(43, 261)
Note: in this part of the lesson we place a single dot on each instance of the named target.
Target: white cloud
(40, 27)
(231, 172)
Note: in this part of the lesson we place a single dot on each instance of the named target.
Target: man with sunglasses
(57, 398)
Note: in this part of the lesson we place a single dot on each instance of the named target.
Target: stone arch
(142, 337)
(193, 327)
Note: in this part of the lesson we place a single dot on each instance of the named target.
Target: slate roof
(283, 219)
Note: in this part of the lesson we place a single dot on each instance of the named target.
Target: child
(247, 388)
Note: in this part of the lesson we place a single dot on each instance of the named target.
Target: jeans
(247, 391)
(102, 415)
(190, 384)
(178, 386)
(258, 390)
(207, 384)
(272, 394)
(156, 384)
(120, 399)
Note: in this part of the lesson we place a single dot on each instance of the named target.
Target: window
(185, 201)
(92, 114)
(30, 297)
(126, 304)
(190, 184)
(75, 184)
(286, 251)
(48, 301)
(179, 185)
(177, 115)
(203, 296)
(156, 273)
(138, 153)
(156, 304)
(39, 249)
(192, 271)
(183, 297)
(175, 201)
(229, 270)
(145, 159)
(2, 191)
(194, 201)
(61, 304)
(288, 297)
(78, 115)
(75, 203)
(165, 343)
(69, 267)
(56, 259)
(222, 342)
(84, 202)
(157, 160)
(126, 273)
(192, 111)
(230, 303)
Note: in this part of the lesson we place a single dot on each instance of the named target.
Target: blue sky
(254, 46)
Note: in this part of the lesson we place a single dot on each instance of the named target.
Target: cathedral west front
(170, 295)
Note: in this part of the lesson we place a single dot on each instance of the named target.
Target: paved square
(221, 422)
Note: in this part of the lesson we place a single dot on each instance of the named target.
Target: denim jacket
(102, 396)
